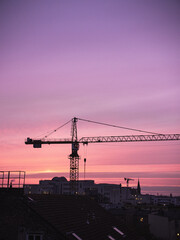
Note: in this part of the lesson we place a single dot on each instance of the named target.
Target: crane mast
(74, 157)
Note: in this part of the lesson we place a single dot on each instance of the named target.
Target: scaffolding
(12, 179)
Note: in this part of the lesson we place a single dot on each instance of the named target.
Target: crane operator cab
(75, 148)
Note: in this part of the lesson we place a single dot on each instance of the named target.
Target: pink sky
(110, 61)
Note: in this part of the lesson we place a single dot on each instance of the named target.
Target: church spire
(138, 187)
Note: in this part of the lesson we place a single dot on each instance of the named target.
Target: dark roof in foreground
(79, 217)
(57, 217)
(18, 219)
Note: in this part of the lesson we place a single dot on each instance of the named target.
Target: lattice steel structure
(131, 138)
(85, 140)
(74, 157)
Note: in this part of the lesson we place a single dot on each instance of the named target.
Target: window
(34, 236)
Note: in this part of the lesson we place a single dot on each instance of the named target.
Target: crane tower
(74, 157)
(74, 141)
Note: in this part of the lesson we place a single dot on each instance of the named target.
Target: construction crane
(74, 157)
(127, 181)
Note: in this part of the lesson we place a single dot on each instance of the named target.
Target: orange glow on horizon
(161, 168)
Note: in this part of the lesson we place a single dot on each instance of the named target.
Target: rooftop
(79, 217)
(63, 216)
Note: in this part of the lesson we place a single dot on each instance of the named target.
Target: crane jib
(131, 138)
(37, 143)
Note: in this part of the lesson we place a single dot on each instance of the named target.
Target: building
(109, 193)
(113, 195)
(19, 221)
(165, 225)
(56, 217)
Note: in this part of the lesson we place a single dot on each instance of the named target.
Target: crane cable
(85, 159)
(55, 130)
(115, 126)
(100, 123)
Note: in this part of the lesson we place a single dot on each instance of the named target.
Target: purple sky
(111, 61)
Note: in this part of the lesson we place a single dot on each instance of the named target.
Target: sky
(114, 61)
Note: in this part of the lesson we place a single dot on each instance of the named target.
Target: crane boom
(130, 138)
(85, 140)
